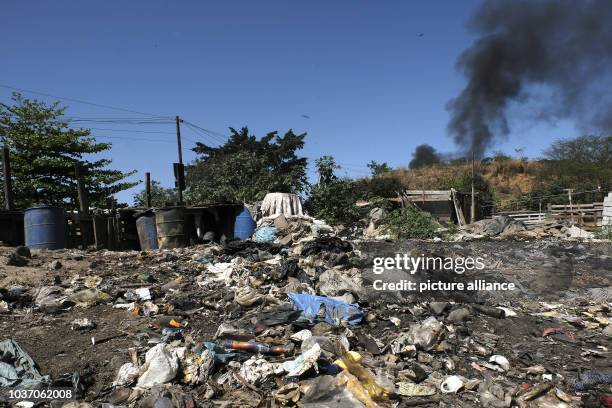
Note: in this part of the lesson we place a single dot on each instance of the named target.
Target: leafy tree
(245, 168)
(326, 165)
(581, 163)
(44, 150)
(334, 201)
(159, 196)
(382, 186)
(378, 169)
(463, 184)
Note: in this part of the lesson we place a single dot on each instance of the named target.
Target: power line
(219, 137)
(134, 131)
(77, 100)
(134, 138)
(121, 121)
(208, 138)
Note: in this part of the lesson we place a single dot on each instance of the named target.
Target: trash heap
(285, 319)
(504, 227)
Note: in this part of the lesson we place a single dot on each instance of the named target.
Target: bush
(381, 186)
(410, 223)
(604, 233)
(334, 202)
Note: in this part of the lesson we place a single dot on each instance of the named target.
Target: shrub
(334, 202)
(381, 186)
(410, 223)
(604, 233)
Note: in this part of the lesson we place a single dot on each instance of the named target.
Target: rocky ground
(140, 328)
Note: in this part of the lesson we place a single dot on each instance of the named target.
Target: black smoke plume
(424, 155)
(557, 49)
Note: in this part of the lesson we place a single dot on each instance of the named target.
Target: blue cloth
(265, 234)
(335, 310)
(589, 379)
(219, 354)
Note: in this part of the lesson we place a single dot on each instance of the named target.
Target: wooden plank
(435, 192)
(428, 198)
(458, 210)
(564, 206)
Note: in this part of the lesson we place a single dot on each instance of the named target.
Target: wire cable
(99, 105)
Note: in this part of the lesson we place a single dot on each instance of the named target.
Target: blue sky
(371, 86)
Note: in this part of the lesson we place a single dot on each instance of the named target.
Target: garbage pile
(504, 227)
(286, 319)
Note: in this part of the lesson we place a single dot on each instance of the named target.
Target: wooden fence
(587, 216)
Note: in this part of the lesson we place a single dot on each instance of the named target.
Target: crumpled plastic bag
(90, 297)
(247, 296)
(303, 362)
(335, 283)
(51, 299)
(17, 369)
(161, 366)
(257, 370)
(222, 270)
(424, 335)
(265, 234)
(126, 375)
(329, 310)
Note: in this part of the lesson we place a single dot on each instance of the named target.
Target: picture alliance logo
(545, 272)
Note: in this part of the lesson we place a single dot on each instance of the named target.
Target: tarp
(17, 369)
(327, 309)
(281, 203)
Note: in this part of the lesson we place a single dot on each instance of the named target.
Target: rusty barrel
(170, 223)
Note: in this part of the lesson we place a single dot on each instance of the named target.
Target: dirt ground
(571, 274)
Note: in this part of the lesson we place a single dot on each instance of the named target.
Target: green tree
(159, 196)
(378, 187)
(378, 168)
(245, 169)
(44, 150)
(333, 199)
(583, 163)
(326, 165)
(335, 202)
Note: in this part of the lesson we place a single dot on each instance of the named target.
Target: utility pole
(8, 184)
(148, 188)
(81, 190)
(178, 172)
(569, 196)
(473, 202)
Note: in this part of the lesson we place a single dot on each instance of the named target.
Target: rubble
(504, 227)
(295, 322)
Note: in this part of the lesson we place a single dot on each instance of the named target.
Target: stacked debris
(296, 322)
(504, 227)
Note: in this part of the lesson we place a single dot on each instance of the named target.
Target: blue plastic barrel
(147, 232)
(244, 225)
(45, 228)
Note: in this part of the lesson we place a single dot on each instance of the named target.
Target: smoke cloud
(424, 155)
(526, 49)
